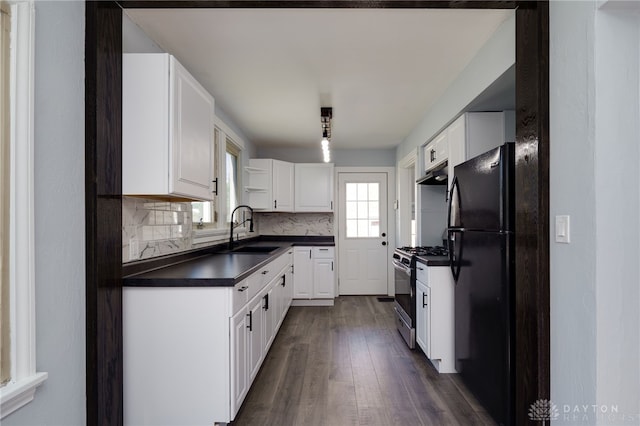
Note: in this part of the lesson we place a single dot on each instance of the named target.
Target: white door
(362, 233)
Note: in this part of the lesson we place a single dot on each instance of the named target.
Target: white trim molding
(24, 379)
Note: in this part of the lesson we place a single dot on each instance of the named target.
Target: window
(363, 210)
(231, 159)
(215, 215)
(18, 314)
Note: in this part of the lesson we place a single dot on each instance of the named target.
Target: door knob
(384, 234)
(384, 243)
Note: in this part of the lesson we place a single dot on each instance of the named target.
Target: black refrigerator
(481, 250)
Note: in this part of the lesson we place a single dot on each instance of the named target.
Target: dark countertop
(217, 268)
(433, 260)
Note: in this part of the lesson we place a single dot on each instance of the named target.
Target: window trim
(21, 389)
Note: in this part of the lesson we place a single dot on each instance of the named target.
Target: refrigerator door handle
(455, 258)
(454, 204)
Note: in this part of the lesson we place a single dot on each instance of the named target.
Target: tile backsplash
(295, 223)
(154, 228)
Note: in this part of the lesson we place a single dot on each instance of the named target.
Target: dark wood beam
(532, 381)
(318, 4)
(103, 99)
(103, 212)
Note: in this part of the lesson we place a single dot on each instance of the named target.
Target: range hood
(437, 176)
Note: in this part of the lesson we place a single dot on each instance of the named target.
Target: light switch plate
(563, 230)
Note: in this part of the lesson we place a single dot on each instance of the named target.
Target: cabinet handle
(250, 326)
(332, 265)
(266, 302)
(275, 204)
(432, 155)
(422, 269)
(323, 249)
(284, 280)
(309, 254)
(424, 303)
(215, 191)
(331, 208)
(243, 288)
(265, 272)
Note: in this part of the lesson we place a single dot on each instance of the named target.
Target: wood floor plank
(348, 365)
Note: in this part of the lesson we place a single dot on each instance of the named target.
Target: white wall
(594, 134)
(617, 158)
(59, 217)
(572, 192)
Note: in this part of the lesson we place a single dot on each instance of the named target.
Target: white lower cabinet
(191, 353)
(423, 318)
(435, 315)
(302, 272)
(314, 275)
(239, 364)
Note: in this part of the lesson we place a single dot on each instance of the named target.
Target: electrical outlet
(134, 252)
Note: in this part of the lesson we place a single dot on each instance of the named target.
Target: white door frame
(391, 229)
(403, 216)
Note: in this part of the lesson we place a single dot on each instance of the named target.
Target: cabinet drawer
(323, 252)
(421, 272)
(265, 275)
(239, 296)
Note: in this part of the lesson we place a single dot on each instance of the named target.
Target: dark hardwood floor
(348, 365)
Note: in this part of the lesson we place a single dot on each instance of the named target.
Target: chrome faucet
(250, 220)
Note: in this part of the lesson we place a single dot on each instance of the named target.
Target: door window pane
(362, 210)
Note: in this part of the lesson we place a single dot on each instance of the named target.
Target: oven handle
(402, 267)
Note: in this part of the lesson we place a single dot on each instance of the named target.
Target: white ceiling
(270, 70)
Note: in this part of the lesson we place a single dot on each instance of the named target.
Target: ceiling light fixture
(326, 114)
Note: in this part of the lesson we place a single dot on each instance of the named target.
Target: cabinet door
(323, 279)
(288, 290)
(421, 316)
(302, 273)
(269, 311)
(314, 187)
(239, 382)
(192, 111)
(282, 186)
(457, 145)
(281, 288)
(254, 342)
(434, 153)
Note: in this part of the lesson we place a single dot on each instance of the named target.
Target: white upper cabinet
(167, 133)
(282, 186)
(474, 133)
(314, 187)
(270, 185)
(436, 151)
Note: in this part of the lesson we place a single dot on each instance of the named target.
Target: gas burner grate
(426, 250)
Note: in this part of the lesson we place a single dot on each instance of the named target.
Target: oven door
(404, 291)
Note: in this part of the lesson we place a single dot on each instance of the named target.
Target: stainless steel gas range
(404, 265)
